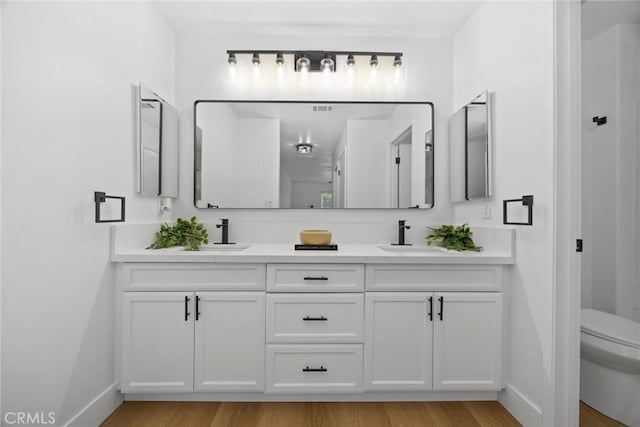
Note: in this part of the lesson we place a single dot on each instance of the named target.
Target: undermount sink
(414, 249)
(224, 247)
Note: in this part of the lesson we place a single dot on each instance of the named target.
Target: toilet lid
(610, 327)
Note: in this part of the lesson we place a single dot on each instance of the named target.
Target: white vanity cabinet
(191, 340)
(433, 340)
(229, 341)
(315, 328)
(399, 341)
(277, 330)
(157, 342)
(467, 341)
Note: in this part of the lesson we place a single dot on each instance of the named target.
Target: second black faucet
(401, 228)
(225, 232)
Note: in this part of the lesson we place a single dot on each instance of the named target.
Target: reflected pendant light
(304, 148)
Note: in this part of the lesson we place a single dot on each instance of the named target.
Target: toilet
(610, 365)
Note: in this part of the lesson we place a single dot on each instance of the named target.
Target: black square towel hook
(526, 201)
(99, 197)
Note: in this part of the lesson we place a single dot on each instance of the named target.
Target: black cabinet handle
(320, 369)
(431, 308)
(321, 318)
(441, 299)
(197, 307)
(316, 278)
(186, 308)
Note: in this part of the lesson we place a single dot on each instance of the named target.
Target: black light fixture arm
(314, 52)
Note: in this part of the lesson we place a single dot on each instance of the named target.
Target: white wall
(257, 170)
(507, 47)
(219, 151)
(368, 163)
(305, 194)
(202, 72)
(285, 189)
(610, 87)
(67, 76)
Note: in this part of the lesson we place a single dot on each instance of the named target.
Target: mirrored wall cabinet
(470, 150)
(307, 154)
(156, 129)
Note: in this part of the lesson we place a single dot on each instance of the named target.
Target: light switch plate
(486, 211)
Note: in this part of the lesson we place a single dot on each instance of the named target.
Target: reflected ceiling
(321, 126)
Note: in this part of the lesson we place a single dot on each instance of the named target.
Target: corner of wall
(522, 408)
(98, 410)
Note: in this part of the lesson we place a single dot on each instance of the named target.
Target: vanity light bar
(314, 60)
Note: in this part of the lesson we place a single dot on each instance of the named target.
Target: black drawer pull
(197, 307)
(320, 369)
(431, 308)
(441, 314)
(321, 318)
(186, 308)
(316, 278)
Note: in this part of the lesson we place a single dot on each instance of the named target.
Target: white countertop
(285, 253)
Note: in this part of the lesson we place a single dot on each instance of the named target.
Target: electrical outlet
(486, 211)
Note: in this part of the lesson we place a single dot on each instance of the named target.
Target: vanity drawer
(191, 276)
(315, 318)
(314, 368)
(411, 277)
(315, 277)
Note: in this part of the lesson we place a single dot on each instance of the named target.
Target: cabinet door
(398, 345)
(230, 341)
(157, 342)
(467, 341)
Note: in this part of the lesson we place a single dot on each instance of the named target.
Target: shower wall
(610, 189)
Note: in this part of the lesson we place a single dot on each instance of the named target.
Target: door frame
(403, 137)
(563, 399)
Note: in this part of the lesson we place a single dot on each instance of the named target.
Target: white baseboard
(98, 409)
(369, 396)
(523, 409)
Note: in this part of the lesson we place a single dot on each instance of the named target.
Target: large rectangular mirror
(304, 154)
(470, 150)
(157, 144)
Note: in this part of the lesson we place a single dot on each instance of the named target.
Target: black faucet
(401, 227)
(225, 232)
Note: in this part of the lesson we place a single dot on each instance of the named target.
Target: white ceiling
(399, 18)
(299, 123)
(600, 15)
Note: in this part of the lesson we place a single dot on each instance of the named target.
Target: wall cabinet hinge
(578, 245)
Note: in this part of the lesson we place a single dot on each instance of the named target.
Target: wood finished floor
(589, 417)
(310, 414)
(365, 414)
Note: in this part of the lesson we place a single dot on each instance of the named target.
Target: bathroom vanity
(366, 322)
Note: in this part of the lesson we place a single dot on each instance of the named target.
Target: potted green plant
(187, 233)
(451, 237)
